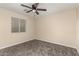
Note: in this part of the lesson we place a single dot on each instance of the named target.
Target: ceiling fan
(34, 8)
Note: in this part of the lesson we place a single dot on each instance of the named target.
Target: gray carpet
(38, 48)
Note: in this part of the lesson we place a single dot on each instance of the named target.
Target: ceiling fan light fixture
(34, 10)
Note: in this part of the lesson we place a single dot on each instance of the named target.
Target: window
(18, 25)
(22, 25)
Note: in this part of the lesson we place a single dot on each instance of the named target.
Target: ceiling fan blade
(25, 6)
(41, 9)
(28, 11)
(37, 13)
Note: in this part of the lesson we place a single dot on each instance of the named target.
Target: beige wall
(6, 37)
(59, 28)
(77, 28)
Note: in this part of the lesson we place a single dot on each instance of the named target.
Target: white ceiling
(51, 7)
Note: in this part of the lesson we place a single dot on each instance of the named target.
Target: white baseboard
(14, 44)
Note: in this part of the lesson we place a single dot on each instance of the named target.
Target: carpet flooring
(38, 48)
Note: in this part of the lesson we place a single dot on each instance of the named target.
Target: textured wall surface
(38, 48)
(7, 38)
(59, 28)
